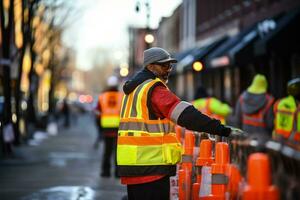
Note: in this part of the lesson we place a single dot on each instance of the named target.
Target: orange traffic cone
(204, 159)
(179, 131)
(184, 184)
(195, 191)
(259, 179)
(218, 170)
(235, 179)
(189, 142)
(219, 179)
(187, 157)
(185, 173)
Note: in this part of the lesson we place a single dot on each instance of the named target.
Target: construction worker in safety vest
(108, 107)
(287, 114)
(148, 150)
(211, 106)
(253, 111)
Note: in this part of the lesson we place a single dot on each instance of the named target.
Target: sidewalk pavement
(64, 167)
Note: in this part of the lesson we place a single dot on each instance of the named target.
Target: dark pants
(99, 131)
(156, 190)
(110, 144)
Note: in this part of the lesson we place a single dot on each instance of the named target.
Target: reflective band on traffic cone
(205, 186)
(204, 159)
(259, 179)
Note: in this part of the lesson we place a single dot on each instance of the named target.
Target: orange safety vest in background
(257, 119)
(110, 104)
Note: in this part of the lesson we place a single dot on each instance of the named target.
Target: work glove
(236, 132)
(226, 131)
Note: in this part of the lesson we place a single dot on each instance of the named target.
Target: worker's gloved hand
(236, 132)
(226, 131)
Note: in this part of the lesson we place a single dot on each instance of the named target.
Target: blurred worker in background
(98, 125)
(287, 114)
(109, 104)
(211, 106)
(253, 111)
(66, 112)
(148, 150)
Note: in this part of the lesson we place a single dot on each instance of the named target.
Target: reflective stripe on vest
(287, 119)
(143, 141)
(257, 119)
(145, 127)
(110, 104)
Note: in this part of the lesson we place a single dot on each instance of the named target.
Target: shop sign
(265, 27)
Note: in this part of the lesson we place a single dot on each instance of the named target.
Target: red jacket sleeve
(163, 101)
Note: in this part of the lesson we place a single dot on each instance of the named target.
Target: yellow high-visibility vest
(110, 104)
(287, 119)
(205, 105)
(143, 139)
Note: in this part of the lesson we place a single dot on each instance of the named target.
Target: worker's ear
(150, 67)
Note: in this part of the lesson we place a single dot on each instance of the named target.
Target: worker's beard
(163, 77)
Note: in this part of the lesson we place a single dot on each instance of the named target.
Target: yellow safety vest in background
(110, 104)
(287, 119)
(208, 105)
(143, 141)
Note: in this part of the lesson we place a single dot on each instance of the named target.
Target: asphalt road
(59, 167)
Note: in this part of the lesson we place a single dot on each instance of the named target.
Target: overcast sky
(103, 25)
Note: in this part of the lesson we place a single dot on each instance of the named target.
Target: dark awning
(198, 54)
(179, 56)
(240, 48)
(285, 38)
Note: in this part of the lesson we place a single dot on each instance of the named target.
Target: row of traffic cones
(213, 177)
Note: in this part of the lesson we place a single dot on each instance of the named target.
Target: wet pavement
(60, 167)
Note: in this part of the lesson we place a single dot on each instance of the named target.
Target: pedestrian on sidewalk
(66, 113)
(108, 109)
(148, 151)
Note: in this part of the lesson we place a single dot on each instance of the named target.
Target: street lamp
(197, 66)
(124, 72)
(149, 38)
